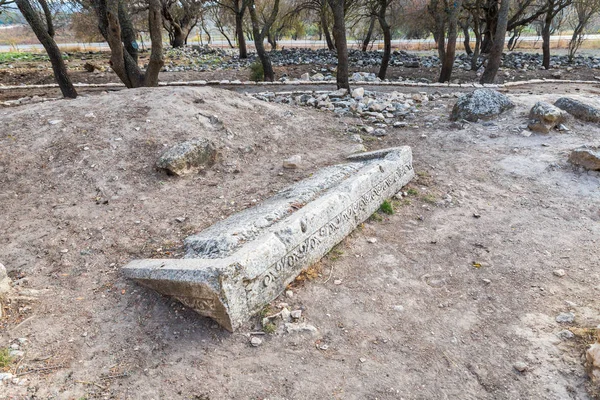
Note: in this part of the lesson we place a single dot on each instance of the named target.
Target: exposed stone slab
(236, 266)
(582, 111)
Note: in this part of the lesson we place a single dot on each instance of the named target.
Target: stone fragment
(5, 376)
(379, 132)
(587, 157)
(565, 318)
(305, 77)
(255, 341)
(90, 67)
(559, 272)
(544, 117)
(235, 267)
(520, 366)
(592, 365)
(294, 327)
(188, 157)
(582, 111)
(5, 281)
(293, 162)
(358, 93)
(565, 334)
(358, 148)
(296, 314)
(480, 104)
(338, 93)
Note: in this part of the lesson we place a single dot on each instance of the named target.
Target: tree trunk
(272, 40)
(259, 38)
(546, 39)
(476, 52)
(325, 27)
(387, 39)
(44, 35)
(367, 39)
(448, 61)
(339, 35)
(467, 40)
(239, 31)
(178, 37)
(156, 51)
(495, 57)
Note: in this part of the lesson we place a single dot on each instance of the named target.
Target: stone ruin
(235, 267)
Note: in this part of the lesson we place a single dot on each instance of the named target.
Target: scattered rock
(544, 117)
(5, 281)
(289, 294)
(292, 327)
(379, 132)
(5, 376)
(565, 334)
(55, 121)
(358, 93)
(293, 162)
(358, 148)
(578, 109)
(255, 341)
(188, 157)
(480, 104)
(565, 318)
(592, 357)
(337, 282)
(90, 67)
(559, 272)
(372, 240)
(296, 314)
(587, 157)
(520, 366)
(362, 360)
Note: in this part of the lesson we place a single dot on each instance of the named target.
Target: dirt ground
(438, 301)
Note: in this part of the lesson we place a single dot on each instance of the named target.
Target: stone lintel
(237, 266)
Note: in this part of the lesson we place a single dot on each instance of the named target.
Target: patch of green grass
(375, 217)
(5, 358)
(386, 207)
(412, 192)
(335, 253)
(429, 198)
(270, 328)
(257, 72)
(423, 174)
(267, 310)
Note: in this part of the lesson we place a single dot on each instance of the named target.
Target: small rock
(592, 357)
(362, 360)
(578, 109)
(486, 281)
(358, 148)
(5, 376)
(16, 353)
(180, 219)
(296, 314)
(255, 341)
(587, 157)
(399, 307)
(565, 318)
(55, 121)
(480, 104)
(188, 157)
(379, 132)
(565, 334)
(285, 314)
(289, 294)
(520, 366)
(372, 240)
(358, 93)
(337, 282)
(559, 272)
(300, 328)
(293, 162)
(5, 281)
(544, 117)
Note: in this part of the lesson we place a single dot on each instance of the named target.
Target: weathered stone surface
(235, 267)
(4, 281)
(544, 117)
(587, 157)
(480, 104)
(579, 110)
(188, 157)
(592, 357)
(293, 162)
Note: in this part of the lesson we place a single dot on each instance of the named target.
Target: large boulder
(587, 157)
(480, 104)
(188, 157)
(579, 110)
(544, 117)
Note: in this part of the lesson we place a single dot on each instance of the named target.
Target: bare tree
(553, 8)
(387, 37)
(259, 35)
(584, 10)
(445, 13)
(117, 29)
(44, 30)
(238, 8)
(180, 17)
(499, 36)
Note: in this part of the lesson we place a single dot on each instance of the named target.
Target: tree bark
(325, 27)
(467, 39)
(387, 39)
(45, 36)
(495, 57)
(240, 9)
(339, 35)
(448, 60)
(259, 38)
(546, 40)
(367, 39)
(476, 51)
(156, 54)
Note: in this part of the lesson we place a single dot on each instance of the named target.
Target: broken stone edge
(232, 289)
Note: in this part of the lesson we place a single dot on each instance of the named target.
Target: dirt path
(439, 300)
